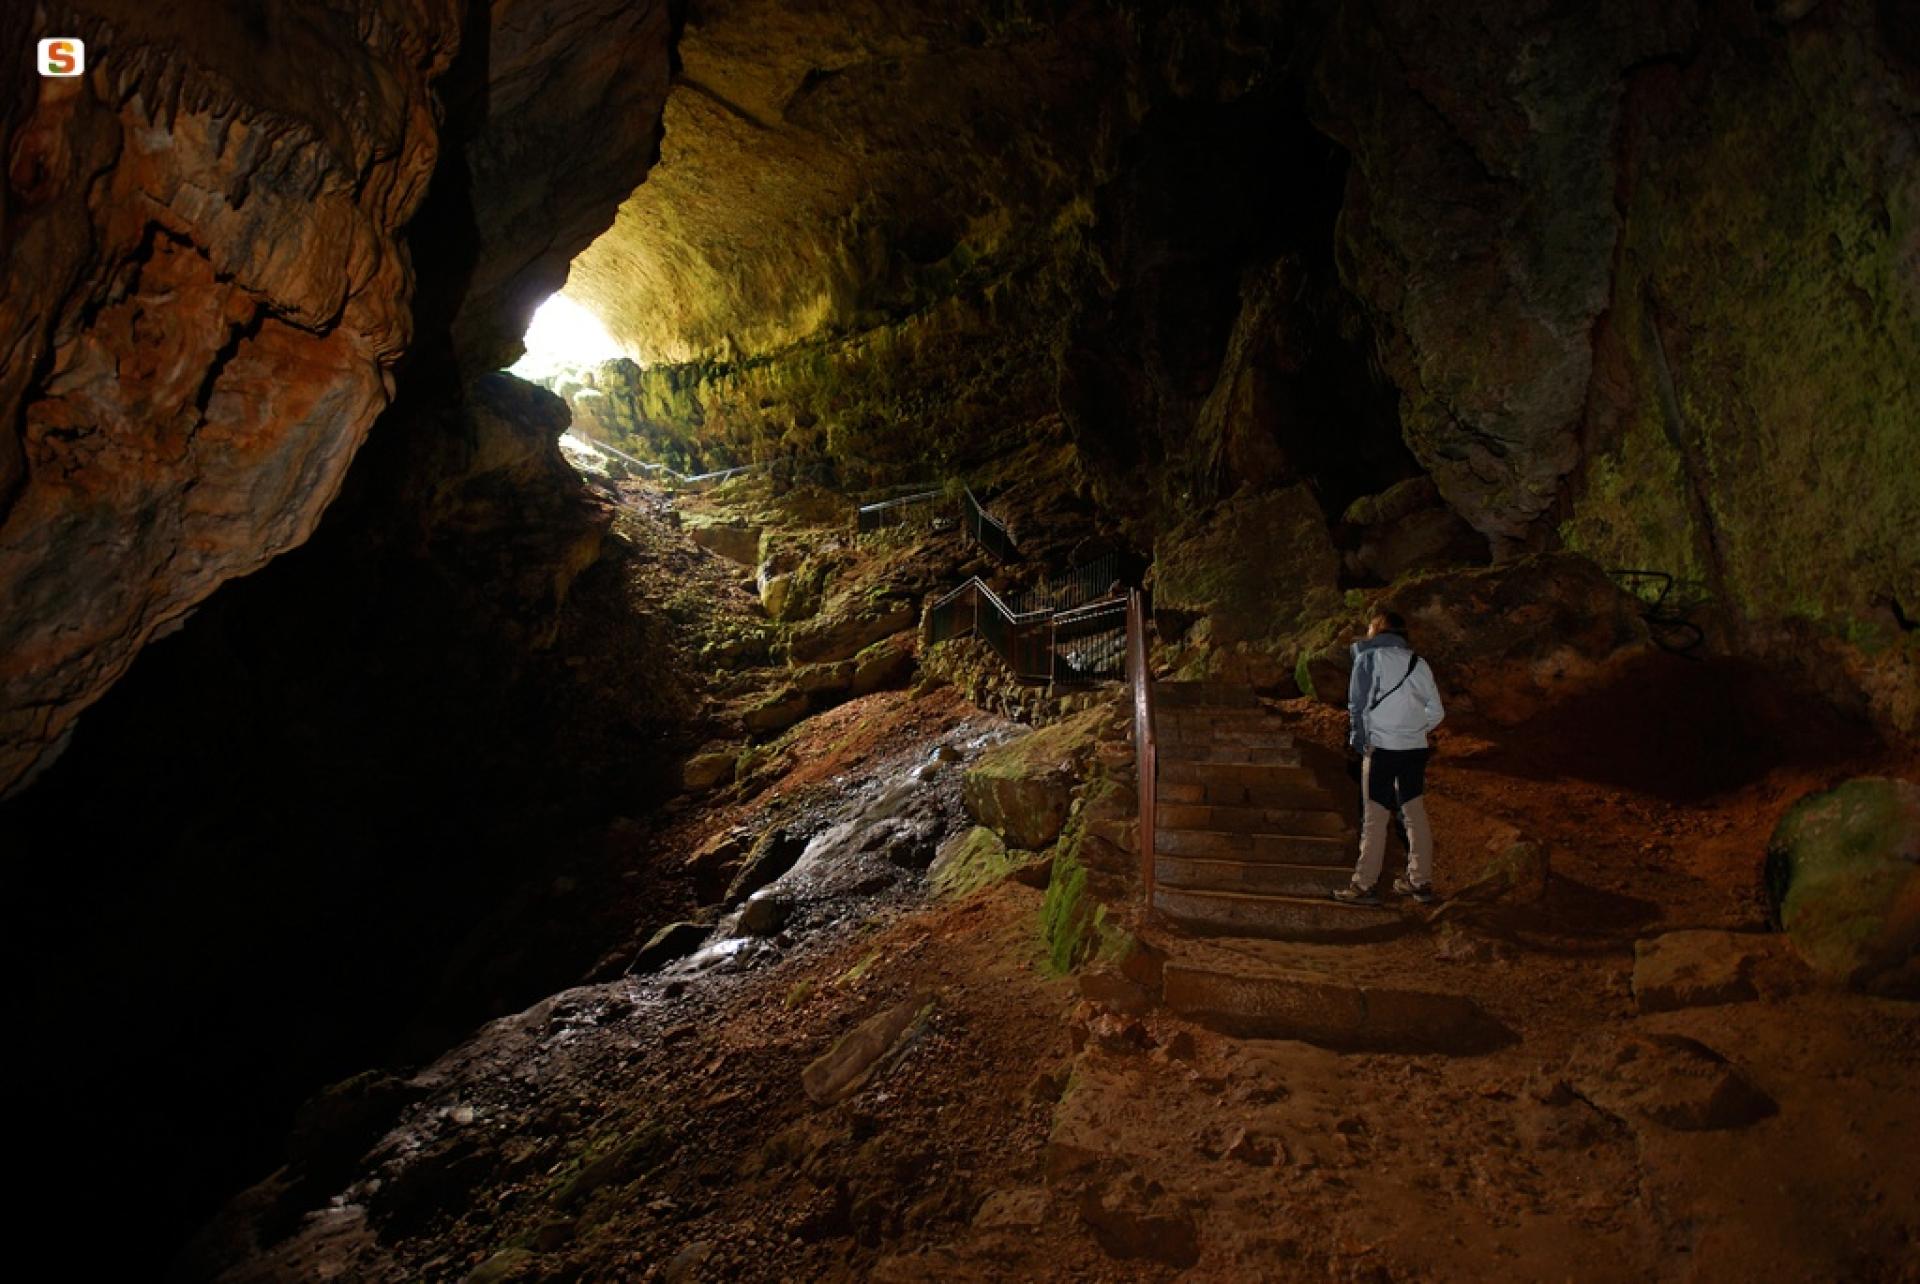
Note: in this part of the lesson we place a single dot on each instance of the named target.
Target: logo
(63, 56)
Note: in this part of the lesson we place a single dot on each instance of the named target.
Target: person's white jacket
(1405, 710)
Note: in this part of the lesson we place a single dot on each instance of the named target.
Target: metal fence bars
(671, 475)
(1145, 749)
(898, 511)
(986, 530)
(1023, 641)
(1667, 604)
(1077, 587)
(1090, 642)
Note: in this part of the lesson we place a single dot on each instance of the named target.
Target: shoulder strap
(1413, 662)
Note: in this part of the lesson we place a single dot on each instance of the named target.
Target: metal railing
(1023, 641)
(1085, 583)
(673, 475)
(986, 530)
(1064, 648)
(897, 511)
(1090, 642)
(1666, 604)
(1146, 751)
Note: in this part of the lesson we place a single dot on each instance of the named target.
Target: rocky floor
(894, 1088)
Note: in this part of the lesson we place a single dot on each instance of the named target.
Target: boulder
(1135, 1217)
(777, 712)
(969, 861)
(1407, 528)
(1256, 567)
(843, 635)
(733, 541)
(1517, 871)
(766, 912)
(789, 588)
(1023, 789)
(834, 679)
(1843, 876)
(712, 863)
(674, 941)
(341, 1122)
(1696, 969)
(845, 1068)
(705, 771)
(1509, 641)
(773, 855)
(1666, 1079)
(884, 666)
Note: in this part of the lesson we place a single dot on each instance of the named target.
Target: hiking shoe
(1352, 895)
(1422, 892)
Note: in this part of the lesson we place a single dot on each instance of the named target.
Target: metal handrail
(870, 517)
(679, 478)
(988, 531)
(1145, 748)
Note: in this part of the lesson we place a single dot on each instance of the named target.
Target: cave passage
(570, 578)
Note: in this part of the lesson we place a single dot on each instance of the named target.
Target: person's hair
(1395, 622)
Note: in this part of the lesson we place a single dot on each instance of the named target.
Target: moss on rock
(1843, 874)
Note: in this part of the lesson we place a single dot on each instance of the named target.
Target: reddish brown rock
(207, 289)
(206, 293)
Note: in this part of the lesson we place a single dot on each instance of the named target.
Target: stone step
(1344, 1013)
(1289, 849)
(1215, 716)
(1248, 775)
(1257, 820)
(1275, 735)
(1278, 756)
(1190, 695)
(1314, 797)
(1281, 917)
(1266, 878)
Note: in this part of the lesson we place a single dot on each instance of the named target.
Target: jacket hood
(1382, 642)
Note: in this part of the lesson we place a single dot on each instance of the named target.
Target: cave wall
(320, 822)
(206, 295)
(1647, 279)
(1638, 283)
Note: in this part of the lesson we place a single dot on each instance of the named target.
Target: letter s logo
(63, 56)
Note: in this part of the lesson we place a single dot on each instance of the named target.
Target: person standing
(1392, 703)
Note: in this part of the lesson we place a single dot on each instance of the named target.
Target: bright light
(562, 334)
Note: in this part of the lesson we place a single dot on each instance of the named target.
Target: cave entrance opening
(563, 336)
(565, 346)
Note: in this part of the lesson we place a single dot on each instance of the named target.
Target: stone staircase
(1252, 829)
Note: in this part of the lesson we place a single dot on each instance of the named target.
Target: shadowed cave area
(712, 639)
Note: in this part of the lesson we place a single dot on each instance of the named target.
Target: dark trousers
(1397, 777)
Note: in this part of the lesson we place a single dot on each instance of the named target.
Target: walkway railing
(897, 511)
(1059, 647)
(985, 529)
(1146, 751)
(695, 480)
(1082, 584)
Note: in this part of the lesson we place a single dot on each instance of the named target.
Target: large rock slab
(1843, 872)
(1023, 789)
(843, 635)
(1256, 567)
(1668, 1080)
(734, 541)
(773, 854)
(1697, 969)
(845, 1068)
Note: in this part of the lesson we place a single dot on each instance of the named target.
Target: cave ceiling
(820, 158)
